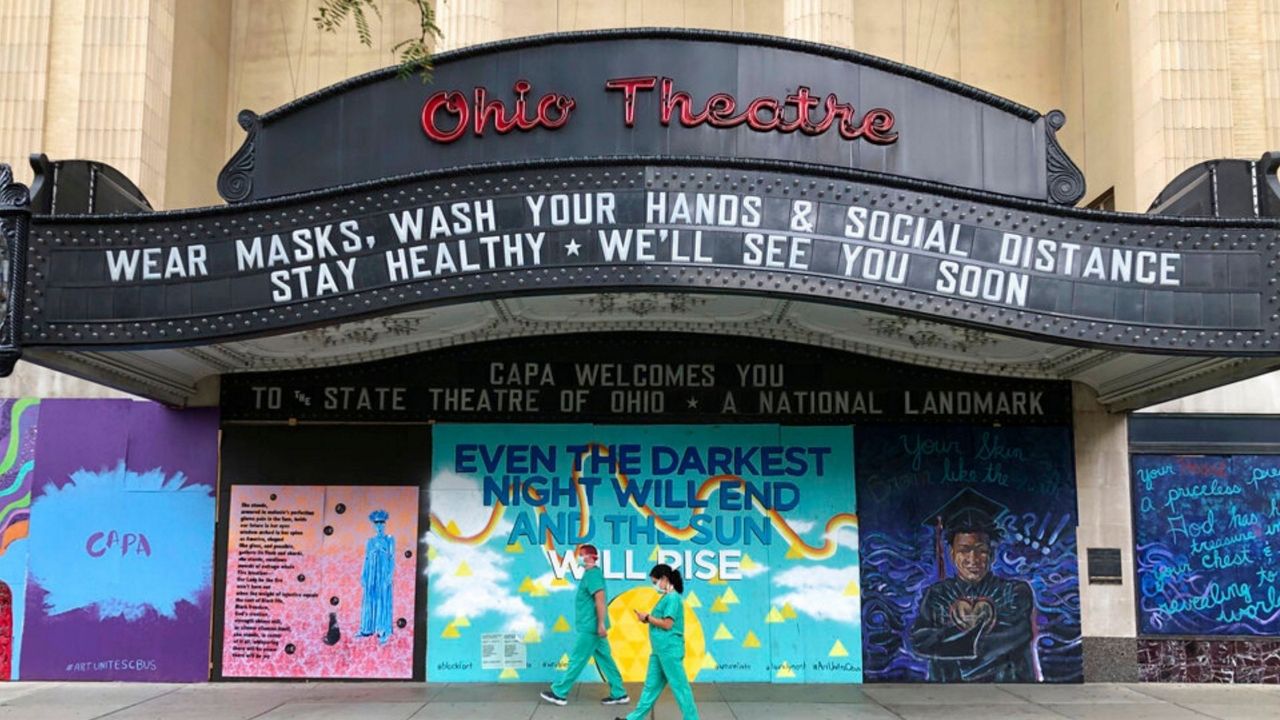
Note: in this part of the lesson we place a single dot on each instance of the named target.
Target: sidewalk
(416, 701)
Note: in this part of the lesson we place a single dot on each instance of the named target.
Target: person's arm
(600, 614)
(933, 636)
(661, 620)
(1013, 630)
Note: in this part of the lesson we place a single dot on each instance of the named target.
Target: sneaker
(620, 700)
(553, 698)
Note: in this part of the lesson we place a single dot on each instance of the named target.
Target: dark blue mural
(1208, 544)
(969, 562)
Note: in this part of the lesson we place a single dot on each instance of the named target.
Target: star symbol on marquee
(572, 248)
(692, 403)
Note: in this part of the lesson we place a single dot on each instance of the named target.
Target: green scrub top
(668, 643)
(584, 601)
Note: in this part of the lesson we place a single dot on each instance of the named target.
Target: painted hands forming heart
(970, 613)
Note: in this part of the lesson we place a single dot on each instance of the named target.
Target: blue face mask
(659, 588)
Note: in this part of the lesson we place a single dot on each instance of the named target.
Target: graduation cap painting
(968, 511)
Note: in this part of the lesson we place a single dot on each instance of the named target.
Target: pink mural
(320, 582)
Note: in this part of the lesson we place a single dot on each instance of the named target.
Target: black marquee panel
(1164, 285)
(641, 378)
(603, 94)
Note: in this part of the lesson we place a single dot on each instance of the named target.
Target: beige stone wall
(1255, 396)
(276, 54)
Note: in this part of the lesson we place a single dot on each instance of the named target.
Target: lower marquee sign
(630, 376)
(1033, 269)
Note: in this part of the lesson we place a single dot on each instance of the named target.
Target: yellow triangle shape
(559, 583)
(788, 612)
(432, 554)
(785, 671)
(708, 662)
(838, 650)
(692, 601)
(509, 674)
(653, 556)
(462, 621)
(450, 631)
(851, 590)
(730, 597)
(774, 616)
(719, 607)
(526, 585)
(564, 662)
(722, 633)
(752, 641)
(452, 529)
(464, 570)
(793, 553)
(532, 636)
(747, 563)
(561, 625)
(515, 548)
(715, 579)
(539, 590)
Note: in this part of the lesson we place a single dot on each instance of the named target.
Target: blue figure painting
(379, 568)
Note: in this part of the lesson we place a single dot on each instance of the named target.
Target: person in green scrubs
(666, 636)
(591, 620)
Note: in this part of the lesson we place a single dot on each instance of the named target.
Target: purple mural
(121, 546)
(18, 420)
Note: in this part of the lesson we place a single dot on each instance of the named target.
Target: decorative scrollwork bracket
(1066, 182)
(235, 182)
(15, 220)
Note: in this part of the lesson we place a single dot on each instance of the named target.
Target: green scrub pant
(665, 671)
(587, 646)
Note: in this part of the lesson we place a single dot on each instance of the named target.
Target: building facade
(900, 428)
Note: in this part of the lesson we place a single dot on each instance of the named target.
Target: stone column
(823, 21)
(469, 23)
(24, 76)
(1102, 485)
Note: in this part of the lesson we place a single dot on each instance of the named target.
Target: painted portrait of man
(976, 626)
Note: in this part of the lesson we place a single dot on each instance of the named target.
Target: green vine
(413, 54)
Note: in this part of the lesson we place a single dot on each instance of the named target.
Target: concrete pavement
(418, 701)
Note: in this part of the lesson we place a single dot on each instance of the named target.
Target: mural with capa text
(320, 581)
(18, 420)
(1208, 544)
(758, 518)
(969, 564)
(121, 543)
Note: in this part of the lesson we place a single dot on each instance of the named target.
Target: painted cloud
(458, 499)
(120, 542)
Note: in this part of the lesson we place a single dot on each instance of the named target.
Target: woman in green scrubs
(666, 636)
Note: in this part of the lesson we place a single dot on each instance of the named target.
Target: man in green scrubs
(591, 620)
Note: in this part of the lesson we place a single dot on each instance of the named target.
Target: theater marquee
(645, 161)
